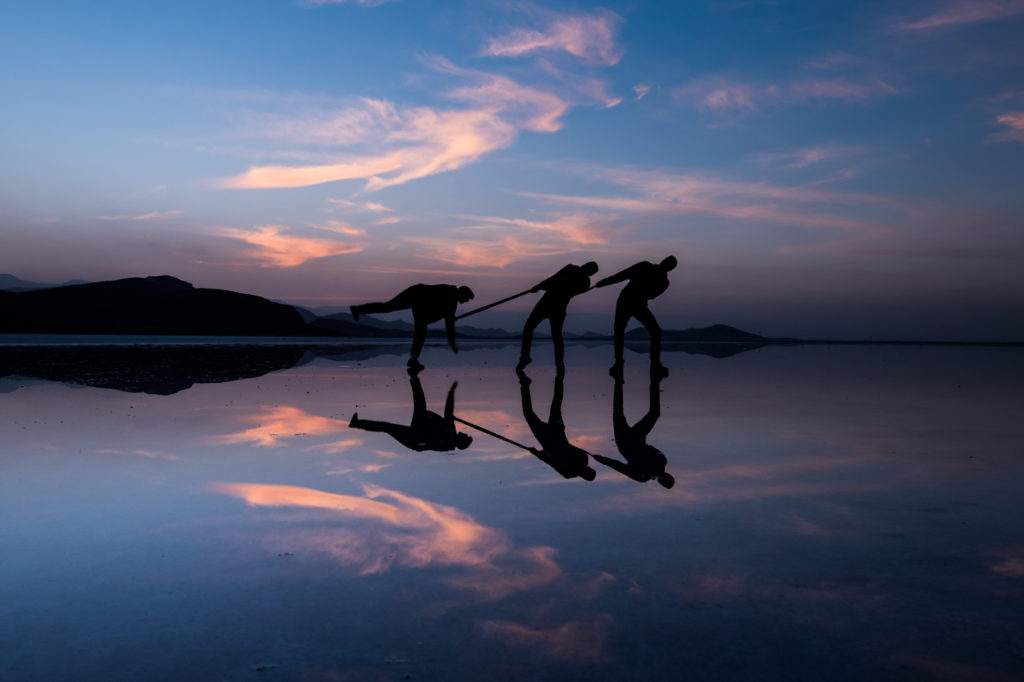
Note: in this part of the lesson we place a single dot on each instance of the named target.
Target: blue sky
(841, 169)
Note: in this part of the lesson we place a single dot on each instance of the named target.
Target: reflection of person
(643, 462)
(427, 430)
(555, 449)
(558, 289)
(429, 303)
(645, 281)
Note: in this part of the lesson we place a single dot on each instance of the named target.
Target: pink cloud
(718, 94)
(1014, 121)
(152, 215)
(579, 640)
(271, 245)
(591, 38)
(808, 156)
(411, 143)
(961, 12)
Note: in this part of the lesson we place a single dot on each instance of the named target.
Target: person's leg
(418, 337)
(647, 319)
(531, 323)
(622, 315)
(402, 301)
(556, 337)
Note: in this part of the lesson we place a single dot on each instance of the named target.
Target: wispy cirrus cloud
(589, 37)
(668, 192)
(277, 246)
(1013, 121)
(721, 95)
(412, 143)
(960, 12)
(496, 242)
(808, 156)
(364, 3)
(152, 215)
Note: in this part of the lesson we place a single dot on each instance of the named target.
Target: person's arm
(546, 284)
(620, 276)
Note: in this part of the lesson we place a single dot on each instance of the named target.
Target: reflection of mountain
(342, 324)
(147, 305)
(161, 370)
(717, 341)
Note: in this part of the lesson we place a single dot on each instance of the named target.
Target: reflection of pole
(492, 433)
(491, 305)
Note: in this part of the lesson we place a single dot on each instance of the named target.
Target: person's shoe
(414, 365)
(354, 421)
(659, 371)
(524, 360)
(355, 312)
(616, 370)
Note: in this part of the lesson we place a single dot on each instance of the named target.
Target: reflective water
(833, 513)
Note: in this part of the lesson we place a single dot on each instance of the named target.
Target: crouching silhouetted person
(570, 281)
(429, 303)
(644, 281)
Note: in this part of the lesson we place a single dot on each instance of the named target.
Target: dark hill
(147, 305)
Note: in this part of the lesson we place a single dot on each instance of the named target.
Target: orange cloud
(1013, 120)
(303, 176)
(274, 248)
(412, 532)
(591, 38)
(960, 12)
(274, 424)
(578, 640)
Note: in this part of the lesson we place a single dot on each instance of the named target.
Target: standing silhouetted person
(645, 281)
(429, 303)
(427, 430)
(643, 462)
(558, 289)
(555, 449)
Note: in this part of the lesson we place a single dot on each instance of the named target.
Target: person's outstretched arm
(620, 276)
(449, 326)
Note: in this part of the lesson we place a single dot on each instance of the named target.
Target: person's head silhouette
(669, 263)
(666, 480)
(462, 440)
(589, 268)
(588, 474)
(465, 294)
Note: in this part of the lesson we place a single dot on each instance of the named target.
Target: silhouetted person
(643, 462)
(555, 449)
(427, 430)
(644, 281)
(429, 303)
(558, 289)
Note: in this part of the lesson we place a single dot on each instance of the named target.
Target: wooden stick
(492, 433)
(491, 305)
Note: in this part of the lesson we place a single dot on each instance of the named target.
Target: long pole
(491, 305)
(492, 433)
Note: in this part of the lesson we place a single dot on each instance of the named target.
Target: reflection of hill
(160, 370)
(717, 341)
(342, 324)
(147, 305)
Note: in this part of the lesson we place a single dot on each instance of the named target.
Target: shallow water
(837, 513)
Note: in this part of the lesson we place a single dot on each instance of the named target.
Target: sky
(846, 170)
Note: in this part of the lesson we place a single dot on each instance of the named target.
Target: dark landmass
(161, 305)
(12, 283)
(159, 370)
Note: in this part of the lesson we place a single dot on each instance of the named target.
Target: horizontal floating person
(429, 303)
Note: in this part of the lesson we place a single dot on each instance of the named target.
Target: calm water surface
(836, 513)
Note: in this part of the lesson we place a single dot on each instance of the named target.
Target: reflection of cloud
(588, 37)
(807, 156)
(412, 532)
(274, 248)
(958, 12)
(1012, 564)
(579, 640)
(149, 454)
(273, 424)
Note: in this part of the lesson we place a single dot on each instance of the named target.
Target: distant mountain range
(165, 305)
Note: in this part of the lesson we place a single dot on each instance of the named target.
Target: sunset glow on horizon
(827, 170)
